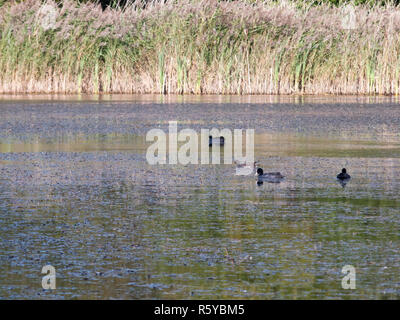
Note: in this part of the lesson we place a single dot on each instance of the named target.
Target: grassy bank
(199, 47)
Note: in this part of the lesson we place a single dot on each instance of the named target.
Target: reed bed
(199, 47)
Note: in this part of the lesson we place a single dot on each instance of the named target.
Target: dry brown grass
(201, 46)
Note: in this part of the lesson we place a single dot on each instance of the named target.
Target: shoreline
(206, 98)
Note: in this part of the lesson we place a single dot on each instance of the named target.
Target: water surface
(77, 192)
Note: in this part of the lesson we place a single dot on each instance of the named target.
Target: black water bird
(343, 175)
(216, 141)
(273, 177)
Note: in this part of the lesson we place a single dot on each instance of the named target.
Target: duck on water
(216, 141)
(343, 175)
(245, 169)
(273, 177)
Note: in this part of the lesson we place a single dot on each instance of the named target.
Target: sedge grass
(198, 47)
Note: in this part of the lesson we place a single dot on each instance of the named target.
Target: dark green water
(76, 192)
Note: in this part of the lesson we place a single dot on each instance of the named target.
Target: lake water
(76, 192)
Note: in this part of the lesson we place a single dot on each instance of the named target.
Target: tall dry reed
(199, 46)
